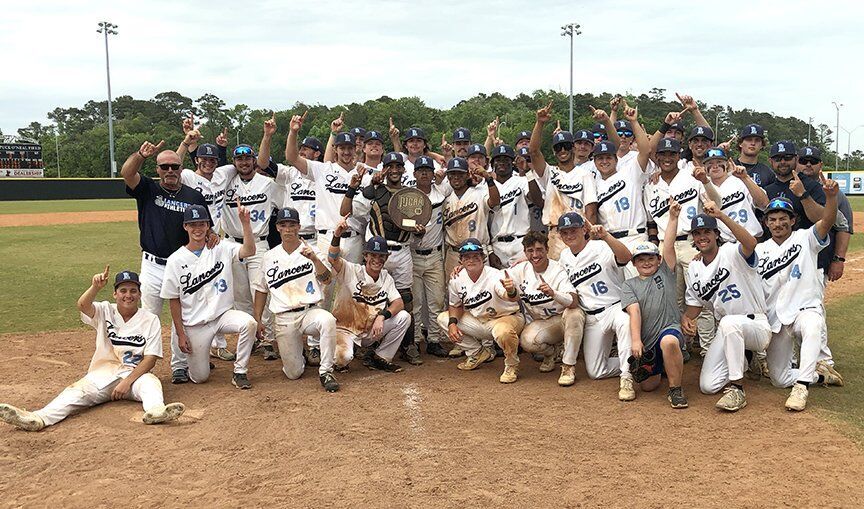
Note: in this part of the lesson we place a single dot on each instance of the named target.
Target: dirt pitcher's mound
(54, 218)
(431, 436)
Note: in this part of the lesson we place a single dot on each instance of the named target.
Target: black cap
(562, 137)
(703, 222)
(244, 150)
(599, 128)
(783, 148)
(462, 134)
(524, 152)
(584, 135)
(376, 245)
(415, 132)
(677, 126)
(288, 214)
(810, 153)
(570, 220)
(313, 143)
(195, 213)
(372, 136)
(605, 147)
(503, 151)
(714, 153)
(207, 150)
(669, 145)
(701, 131)
(523, 135)
(358, 132)
(393, 157)
(477, 149)
(126, 276)
(751, 130)
(457, 164)
(470, 245)
(344, 139)
(623, 125)
(424, 162)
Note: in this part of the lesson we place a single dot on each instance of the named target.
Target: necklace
(172, 194)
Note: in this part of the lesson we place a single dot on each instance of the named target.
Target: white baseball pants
(400, 267)
(503, 330)
(151, 276)
(84, 394)
(807, 328)
(508, 252)
(200, 337)
(428, 291)
(706, 325)
(725, 360)
(392, 334)
(244, 272)
(600, 329)
(291, 332)
(568, 328)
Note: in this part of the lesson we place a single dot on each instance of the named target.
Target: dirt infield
(431, 436)
(55, 218)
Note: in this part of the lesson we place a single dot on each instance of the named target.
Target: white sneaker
(509, 375)
(733, 399)
(20, 418)
(797, 400)
(548, 363)
(626, 392)
(829, 374)
(568, 375)
(169, 412)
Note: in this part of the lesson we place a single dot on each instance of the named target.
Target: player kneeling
(650, 300)
(128, 343)
(367, 306)
(491, 299)
(551, 301)
(292, 273)
(199, 284)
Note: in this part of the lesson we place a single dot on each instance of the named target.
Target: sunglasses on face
(242, 151)
(812, 162)
(625, 133)
(787, 157)
(563, 146)
(168, 166)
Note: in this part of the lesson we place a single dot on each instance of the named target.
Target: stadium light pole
(837, 146)
(849, 143)
(107, 29)
(57, 146)
(571, 29)
(809, 125)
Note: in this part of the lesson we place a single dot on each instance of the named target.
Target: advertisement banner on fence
(22, 172)
(850, 182)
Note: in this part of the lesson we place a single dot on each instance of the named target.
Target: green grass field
(41, 207)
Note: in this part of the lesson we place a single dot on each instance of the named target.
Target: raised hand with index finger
(297, 121)
(598, 114)
(148, 149)
(270, 125)
(544, 114)
(222, 139)
(101, 279)
(544, 287)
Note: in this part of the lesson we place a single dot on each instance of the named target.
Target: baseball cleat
(763, 368)
(328, 381)
(829, 374)
(411, 355)
(676, 397)
(166, 413)
(223, 354)
(270, 353)
(455, 352)
(548, 361)
(474, 361)
(20, 418)
(626, 392)
(797, 400)
(342, 369)
(436, 349)
(509, 375)
(240, 381)
(375, 361)
(538, 357)
(568, 375)
(313, 356)
(180, 376)
(733, 399)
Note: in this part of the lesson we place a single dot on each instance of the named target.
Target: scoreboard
(21, 160)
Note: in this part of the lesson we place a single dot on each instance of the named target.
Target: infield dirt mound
(431, 436)
(55, 218)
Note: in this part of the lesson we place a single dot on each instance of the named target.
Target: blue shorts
(657, 365)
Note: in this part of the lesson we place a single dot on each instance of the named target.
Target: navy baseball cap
(415, 132)
(812, 153)
(358, 132)
(424, 162)
(783, 148)
(393, 158)
(372, 136)
(503, 151)
(599, 129)
(470, 245)
(780, 203)
(584, 135)
(244, 150)
(562, 137)
(477, 149)
(677, 126)
(669, 145)
(127, 276)
(313, 143)
(196, 213)
(703, 222)
(207, 150)
(376, 245)
(714, 153)
(524, 152)
(623, 125)
(523, 135)
(751, 130)
(344, 139)
(570, 220)
(605, 147)
(701, 131)
(462, 134)
(288, 214)
(457, 164)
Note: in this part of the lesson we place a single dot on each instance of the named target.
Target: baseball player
(300, 192)
(461, 142)
(726, 277)
(568, 186)
(655, 322)
(367, 307)
(160, 221)
(484, 307)
(794, 289)
(415, 145)
(738, 195)
(511, 220)
(523, 139)
(199, 285)
(535, 195)
(551, 302)
(293, 274)
(594, 268)
(128, 344)
(751, 141)
(466, 209)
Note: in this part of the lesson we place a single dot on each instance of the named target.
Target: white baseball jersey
(204, 284)
(619, 197)
(120, 345)
(730, 283)
(289, 278)
(686, 190)
(538, 304)
(466, 216)
(566, 191)
(512, 216)
(434, 235)
(331, 183)
(485, 298)
(595, 274)
(790, 277)
(408, 179)
(212, 195)
(737, 203)
(360, 297)
(627, 158)
(260, 195)
(298, 193)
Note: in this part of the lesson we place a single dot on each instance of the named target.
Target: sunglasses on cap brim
(242, 151)
(714, 153)
(470, 248)
(775, 205)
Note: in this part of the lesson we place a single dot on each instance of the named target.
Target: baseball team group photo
(616, 295)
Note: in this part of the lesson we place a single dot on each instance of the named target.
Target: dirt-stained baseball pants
(152, 274)
(808, 328)
(428, 290)
(84, 394)
(477, 334)
(291, 329)
(556, 245)
(600, 329)
(509, 252)
(725, 360)
(541, 335)
(244, 273)
(200, 337)
(705, 323)
(391, 336)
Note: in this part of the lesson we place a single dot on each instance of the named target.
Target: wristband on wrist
(142, 155)
(351, 192)
(490, 181)
(335, 241)
(385, 313)
(453, 320)
(804, 196)
(665, 128)
(654, 238)
(511, 293)
(836, 258)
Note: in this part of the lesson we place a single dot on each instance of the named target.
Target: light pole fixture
(107, 29)
(571, 29)
(849, 143)
(837, 146)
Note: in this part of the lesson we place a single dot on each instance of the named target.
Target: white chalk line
(412, 401)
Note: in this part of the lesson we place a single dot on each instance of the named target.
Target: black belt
(424, 252)
(394, 247)
(625, 233)
(240, 239)
(600, 310)
(307, 236)
(509, 238)
(155, 259)
(345, 235)
(301, 308)
(682, 237)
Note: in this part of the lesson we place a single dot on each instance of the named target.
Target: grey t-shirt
(656, 296)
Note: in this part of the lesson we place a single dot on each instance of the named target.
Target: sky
(789, 58)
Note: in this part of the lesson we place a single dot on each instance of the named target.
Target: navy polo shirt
(814, 188)
(759, 172)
